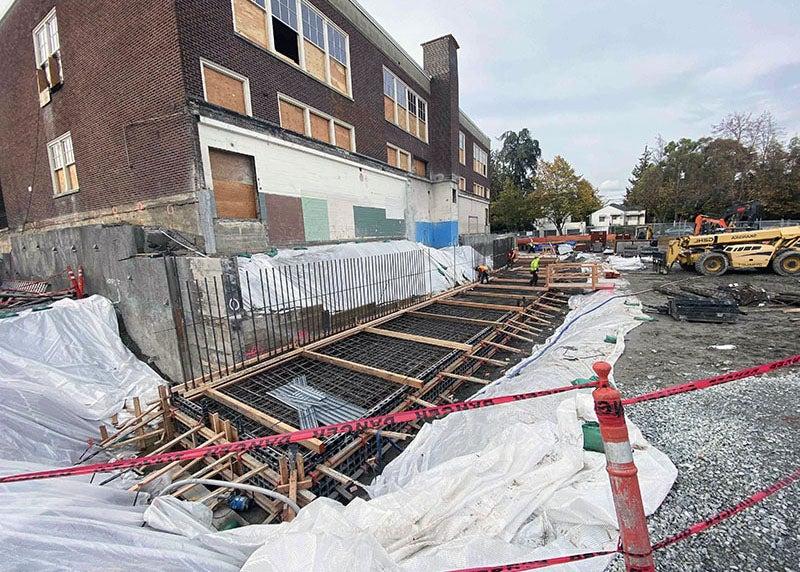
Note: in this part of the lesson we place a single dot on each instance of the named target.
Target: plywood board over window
(234, 181)
(338, 76)
(344, 137)
(420, 167)
(250, 22)
(292, 117)
(320, 128)
(403, 160)
(315, 61)
(225, 90)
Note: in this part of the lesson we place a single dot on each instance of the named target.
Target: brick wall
(440, 59)
(467, 171)
(207, 32)
(121, 71)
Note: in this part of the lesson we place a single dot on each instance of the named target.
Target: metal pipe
(228, 485)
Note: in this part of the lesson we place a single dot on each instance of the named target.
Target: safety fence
(609, 406)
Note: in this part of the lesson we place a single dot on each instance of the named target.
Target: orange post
(622, 473)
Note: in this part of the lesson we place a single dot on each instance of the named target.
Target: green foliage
(512, 211)
(562, 194)
(708, 175)
(516, 161)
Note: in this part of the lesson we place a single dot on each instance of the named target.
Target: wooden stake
(420, 339)
(502, 347)
(465, 378)
(369, 370)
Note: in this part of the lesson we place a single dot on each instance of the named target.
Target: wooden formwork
(519, 319)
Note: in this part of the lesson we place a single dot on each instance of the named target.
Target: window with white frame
(47, 51)
(62, 165)
(403, 107)
(480, 160)
(399, 158)
(225, 87)
(300, 118)
(462, 184)
(480, 190)
(462, 148)
(297, 32)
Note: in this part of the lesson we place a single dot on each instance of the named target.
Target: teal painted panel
(315, 220)
(371, 222)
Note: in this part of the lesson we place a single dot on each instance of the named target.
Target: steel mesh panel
(391, 354)
(464, 311)
(433, 328)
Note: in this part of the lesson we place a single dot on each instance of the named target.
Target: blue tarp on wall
(437, 234)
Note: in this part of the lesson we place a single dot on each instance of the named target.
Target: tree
(511, 211)
(640, 168)
(562, 194)
(516, 160)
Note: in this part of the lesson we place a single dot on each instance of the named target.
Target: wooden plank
(420, 339)
(166, 469)
(481, 305)
(335, 475)
(502, 347)
(422, 402)
(512, 287)
(454, 318)
(541, 305)
(518, 337)
(488, 360)
(369, 370)
(465, 378)
(390, 434)
(537, 318)
(268, 421)
(495, 295)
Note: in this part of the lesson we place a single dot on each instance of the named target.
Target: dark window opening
(285, 40)
(455, 194)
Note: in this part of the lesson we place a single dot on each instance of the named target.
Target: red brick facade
(129, 69)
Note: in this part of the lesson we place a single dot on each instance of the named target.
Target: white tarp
(489, 486)
(62, 372)
(290, 279)
(623, 264)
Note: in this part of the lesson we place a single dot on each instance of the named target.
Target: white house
(546, 228)
(617, 215)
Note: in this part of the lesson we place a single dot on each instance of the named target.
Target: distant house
(617, 215)
(546, 228)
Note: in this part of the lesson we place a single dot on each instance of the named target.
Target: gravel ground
(727, 442)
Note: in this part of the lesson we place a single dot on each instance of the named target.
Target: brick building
(240, 124)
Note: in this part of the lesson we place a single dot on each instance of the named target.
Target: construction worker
(512, 257)
(483, 273)
(535, 269)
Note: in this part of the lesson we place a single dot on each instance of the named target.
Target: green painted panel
(315, 220)
(372, 222)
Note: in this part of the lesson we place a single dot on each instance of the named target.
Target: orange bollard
(635, 538)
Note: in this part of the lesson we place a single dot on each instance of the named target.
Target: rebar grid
(391, 354)
(465, 311)
(360, 389)
(434, 328)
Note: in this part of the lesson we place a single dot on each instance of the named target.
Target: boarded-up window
(403, 160)
(251, 22)
(462, 184)
(62, 165)
(234, 180)
(388, 108)
(292, 117)
(315, 61)
(320, 128)
(225, 90)
(420, 167)
(344, 138)
(402, 118)
(391, 156)
(338, 76)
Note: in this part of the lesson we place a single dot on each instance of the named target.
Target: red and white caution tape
(424, 414)
(712, 381)
(694, 529)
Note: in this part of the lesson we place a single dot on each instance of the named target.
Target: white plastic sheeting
(488, 486)
(62, 372)
(623, 264)
(279, 283)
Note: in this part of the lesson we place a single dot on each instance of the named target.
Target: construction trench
(433, 351)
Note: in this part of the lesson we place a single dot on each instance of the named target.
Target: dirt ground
(727, 442)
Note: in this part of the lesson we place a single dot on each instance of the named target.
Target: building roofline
(451, 36)
(474, 129)
(7, 11)
(405, 61)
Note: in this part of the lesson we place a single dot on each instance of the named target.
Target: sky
(596, 81)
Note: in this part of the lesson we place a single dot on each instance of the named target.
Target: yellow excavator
(714, 254)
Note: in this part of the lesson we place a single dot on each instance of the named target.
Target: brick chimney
(440, 60)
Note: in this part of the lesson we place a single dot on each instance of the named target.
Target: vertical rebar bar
(196, 336)
(222, 332)
(213, 328)
(252, 313)
(265, 309)
(205, 334)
